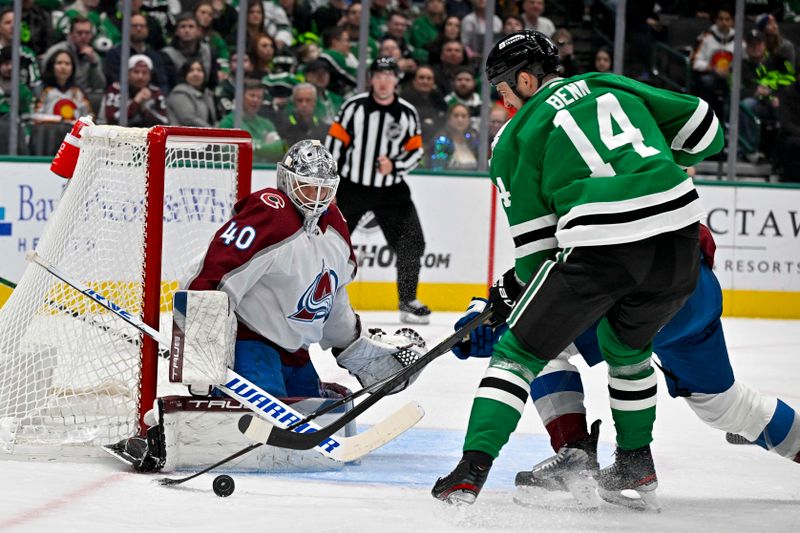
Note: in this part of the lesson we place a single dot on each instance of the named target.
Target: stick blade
(347, 448)
(255, 429)
(168, 482)
(381, 433)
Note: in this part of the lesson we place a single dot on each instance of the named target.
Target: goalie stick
(287, 438)
(259, 401)
(357, 445)
(162, 352)
(379, 384)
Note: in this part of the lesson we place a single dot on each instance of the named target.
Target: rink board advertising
(756, 227)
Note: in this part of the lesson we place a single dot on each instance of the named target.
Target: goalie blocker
(203, 339)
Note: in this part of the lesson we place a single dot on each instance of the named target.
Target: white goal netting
(70, 371)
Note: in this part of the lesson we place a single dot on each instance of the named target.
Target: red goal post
(157, 139)
(133, 222)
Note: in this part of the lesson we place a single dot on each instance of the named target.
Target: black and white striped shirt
(365, 130)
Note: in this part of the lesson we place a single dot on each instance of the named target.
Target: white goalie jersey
(286, 285)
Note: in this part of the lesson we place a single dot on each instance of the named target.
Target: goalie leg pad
(200, 431)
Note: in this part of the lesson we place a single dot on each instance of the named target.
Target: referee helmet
(385, 64)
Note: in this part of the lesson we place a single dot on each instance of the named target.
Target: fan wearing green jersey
(590, 173)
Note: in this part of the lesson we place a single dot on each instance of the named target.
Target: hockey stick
(287, 438)
(258, 430)
(274, 412)
(357, 445)
(258, 400)
(162, 352)
(377, 385)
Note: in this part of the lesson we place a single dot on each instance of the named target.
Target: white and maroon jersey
(286, 285)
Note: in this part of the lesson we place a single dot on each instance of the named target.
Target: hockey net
(134, 220)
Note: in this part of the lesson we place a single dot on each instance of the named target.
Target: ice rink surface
(705, 484)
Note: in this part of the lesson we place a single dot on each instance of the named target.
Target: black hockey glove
(502, 296)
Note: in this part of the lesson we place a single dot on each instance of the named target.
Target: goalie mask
(307, 174)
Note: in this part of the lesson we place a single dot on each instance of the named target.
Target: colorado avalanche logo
(317, 300)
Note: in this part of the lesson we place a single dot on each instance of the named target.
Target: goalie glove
(502, 296)
(481, 339)
(377, 356)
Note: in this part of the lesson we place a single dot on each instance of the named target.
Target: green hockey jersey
(598, 159)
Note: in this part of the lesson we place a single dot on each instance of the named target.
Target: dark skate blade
(119, 455)
(584, 490)
(460, 498)
(541, 498)
(526, 479)
(644, 501)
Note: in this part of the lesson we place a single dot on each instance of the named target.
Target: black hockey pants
(397, 217)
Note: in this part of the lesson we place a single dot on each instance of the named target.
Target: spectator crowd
(301, 64)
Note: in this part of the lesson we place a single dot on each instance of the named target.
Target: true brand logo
(247, 392)
(108, 304)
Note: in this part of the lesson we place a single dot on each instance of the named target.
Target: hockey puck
(223, 486)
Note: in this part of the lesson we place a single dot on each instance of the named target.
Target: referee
(376, 140)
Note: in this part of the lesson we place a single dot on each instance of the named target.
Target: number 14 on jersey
(608, 108)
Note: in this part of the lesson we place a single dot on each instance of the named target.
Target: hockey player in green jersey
(590, 173)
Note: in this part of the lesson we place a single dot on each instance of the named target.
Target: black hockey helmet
(385, 63)
(526, 49)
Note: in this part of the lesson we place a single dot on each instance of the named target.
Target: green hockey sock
(496, 410)
(631, 387)
(633, 406)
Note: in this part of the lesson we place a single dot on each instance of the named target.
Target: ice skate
(144, 454)
(134, 452)
(631, 481)
(414, 312)
(574, 469)
(463, 484)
